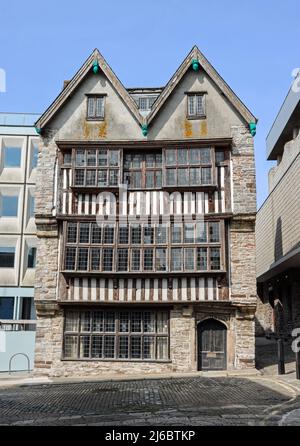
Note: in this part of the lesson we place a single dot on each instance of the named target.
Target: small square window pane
(90, 177)
(150, 160)
(205, 156)
(158, 159)
(95, 259)
(158, 178)
(70, 258)
(97, 321)
(150, 179)
(206, 175)
(148, 259)
(214, 232)
(97, 347)
(85, 321)
(102, 158)
(67, 158)
(9, 206)
(84, 232)
(136, 160)
(189, 259)
(189, 233)
(109, 346)
(135, 260)
(182, 156)
(195, 176)
(124, 322)
(136, 234)
(113, 177)
(108, 236)
(72, 233)
(201, 259)
(70, 346)
(176, 259)
(162, 347)
(96, 233)
(183, 177)
(194, 156)
(136, 347)
(84, 346)
(91, 157)
(171, 177)
(123, 347)
(110, 321)
(170, 157)
(149, 347)
(123, 259)
(12, 156)
(215, 259)
(149, 322)
(148, 235)
(161, 234)
(80, 158)
(176, 234)
(82, 260)
(123, 235)
(114, 158)
(102, 177)
(71, 321)
(79, 177)
(161, 259)
(201, 236)
(107, 259)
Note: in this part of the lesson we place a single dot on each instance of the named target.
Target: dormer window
(145, 103)
(95, 107)
(195, 105)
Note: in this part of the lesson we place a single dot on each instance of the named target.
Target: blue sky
(254, 46)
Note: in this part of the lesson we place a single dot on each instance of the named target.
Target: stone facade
(231, 297)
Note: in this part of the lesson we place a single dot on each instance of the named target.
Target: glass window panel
(84, 347)
(176, 259)
(220, 156)
(170, 157)
(136, 234)
(90, 177)
(161, 259)
(206, 175)
(201, 259)
(71, 321)
(150, 159)
(149, 178)
(176, 233)
(189, 233)
(67, 159)
(9, 206)
(12, 156)
(85, 321)
(102, 157)
(35, 155)
(80, 158)
(102, 177)
(162, 347)
(96, 233)
(149, 322)
(82, 259)
(158, 159)
(99, 107)
(124, 322)
(205, 156)
(31, 205)
(70, 346)
(194, 156)
(200, 105)
(191, 105)
(31, 258)
(72, 233)
(113, 177)
(136, 322)
(97, 347)
(171, 177)
(201, 236)
(91, 158)
(95, 259)
(214, 232)
(161, 234)
(182, 156)
(215, 260)
(136, 347)
(114, 158)
(189, 259)
(135, 260)
(84, 232)
(148, 259)
(183, 177)
(123, 235)
(109, 347)
(91, 108)
(136, 160)
(123, 259)
(127, 160)
(123, 347)
(135, 180)
(148, 235)
(195, 176)
(97, 321)
(109, 321)
(79, 177)
(108, 236)
(70, 258)
(149, 347)
(158, 178)
(107, 259)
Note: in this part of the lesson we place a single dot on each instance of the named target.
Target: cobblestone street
(176, 401)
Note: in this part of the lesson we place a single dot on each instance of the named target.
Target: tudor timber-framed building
(144, 283)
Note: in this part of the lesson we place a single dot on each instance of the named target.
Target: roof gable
(196, 55)
(86, 68)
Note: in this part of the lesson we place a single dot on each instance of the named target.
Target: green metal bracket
(145, 129)
(96, 67)
(252, 128)
(38, 130)
(195, 65)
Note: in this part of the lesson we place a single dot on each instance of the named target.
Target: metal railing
(17, 325)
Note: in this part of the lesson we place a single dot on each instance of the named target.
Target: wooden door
(211, 345)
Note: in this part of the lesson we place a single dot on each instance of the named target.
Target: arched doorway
(211, 345)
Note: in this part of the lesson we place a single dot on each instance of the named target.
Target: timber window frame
(194, 246)
(196, 105)
(143, 170)
(95, 107)
(125, 335)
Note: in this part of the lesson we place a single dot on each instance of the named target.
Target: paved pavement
(186, 401)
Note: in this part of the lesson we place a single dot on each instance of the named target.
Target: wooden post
(281, 365)
(298, 364)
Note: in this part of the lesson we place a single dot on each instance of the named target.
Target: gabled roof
(75, 81)
(195, 53)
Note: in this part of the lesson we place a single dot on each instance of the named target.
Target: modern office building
(278, 224)
(145, 214)
(18, 161)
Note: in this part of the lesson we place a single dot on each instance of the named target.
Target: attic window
(145, 103)
(95, 107)
(195, 105)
